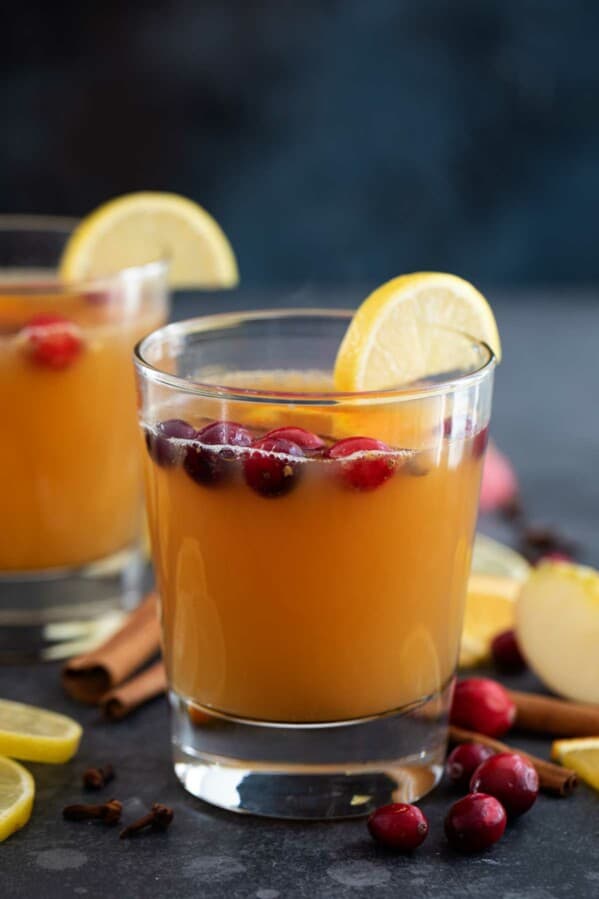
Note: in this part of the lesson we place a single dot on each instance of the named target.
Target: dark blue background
(337, 140)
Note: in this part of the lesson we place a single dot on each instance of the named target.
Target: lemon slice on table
(17, 791)
(581, 755)
(490, 609)
(390, 342)
(37, 735)
(143, 227)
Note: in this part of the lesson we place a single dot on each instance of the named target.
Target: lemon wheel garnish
(144, 227)
(390, 342)
(17, 791)
(37, 735)
(581, 755)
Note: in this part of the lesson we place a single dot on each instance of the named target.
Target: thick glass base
(57, 613)
(310, 771)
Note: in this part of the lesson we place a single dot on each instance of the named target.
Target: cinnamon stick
(120, 702)
(558, 717)
(88, 677)
(552, 778)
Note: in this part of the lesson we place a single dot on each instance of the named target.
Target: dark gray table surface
(546, 417)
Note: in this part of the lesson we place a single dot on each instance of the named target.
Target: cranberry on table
(482, 705)
(308, 441)
(52, 341)
(506, 653)
(207, 466)
(374, 461)
(475, 822)
(398, 826)
(463, 761)
(161, 442)
(270, 467)
(511, 778)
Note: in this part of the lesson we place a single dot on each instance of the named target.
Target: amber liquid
(70, 468)
(328, 603)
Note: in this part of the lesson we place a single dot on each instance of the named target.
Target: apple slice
(557, 624)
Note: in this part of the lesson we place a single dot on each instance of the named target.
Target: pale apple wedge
(557, 624)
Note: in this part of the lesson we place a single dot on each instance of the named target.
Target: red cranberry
(509, 777)
(160, 443)
(269, 474)
(475, 822)
(463, 761)
(482, 705)
(309, 442)
(52, 340)
(207, 466)
(225, 433)
(506, 653)
(555, 555)
(479, 443)
(480, 439)
(97, 297)
(398, 826)
(369, 462)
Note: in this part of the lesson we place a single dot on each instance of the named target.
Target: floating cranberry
(482, 705)
(161, 442)
(97, 297)
(52, 340)
(463, 761)
(459, 427)
(225, 434)
(506, 653)
(475, 822)
(369, 462)
(398, 826)
(309, 442)
(208, 466)
(479, 443)
(269, 474)
(511, 778)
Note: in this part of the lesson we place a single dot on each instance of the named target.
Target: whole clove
(159, 818)
(96, 778)
(108, 812)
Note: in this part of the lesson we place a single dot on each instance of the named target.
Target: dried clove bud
(158, 819)
(96, 778)
(108, 812)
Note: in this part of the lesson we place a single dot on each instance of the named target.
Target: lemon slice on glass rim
(144, 227)
(17, 791)
(390, 342)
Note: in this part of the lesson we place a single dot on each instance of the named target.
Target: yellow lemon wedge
(582, 755)
(17, 791)
(37, 735)
(557, 624)
(490, 609)
(390, 342)
(147, 226)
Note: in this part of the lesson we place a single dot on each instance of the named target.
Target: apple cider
(312, 563)
(71, 479)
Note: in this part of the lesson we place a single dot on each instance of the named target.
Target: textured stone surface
(546, 419)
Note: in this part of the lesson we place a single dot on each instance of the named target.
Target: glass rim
(60, 224)
(207, 323)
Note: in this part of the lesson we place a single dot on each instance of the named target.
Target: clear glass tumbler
(312, 551)
(71, 485)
